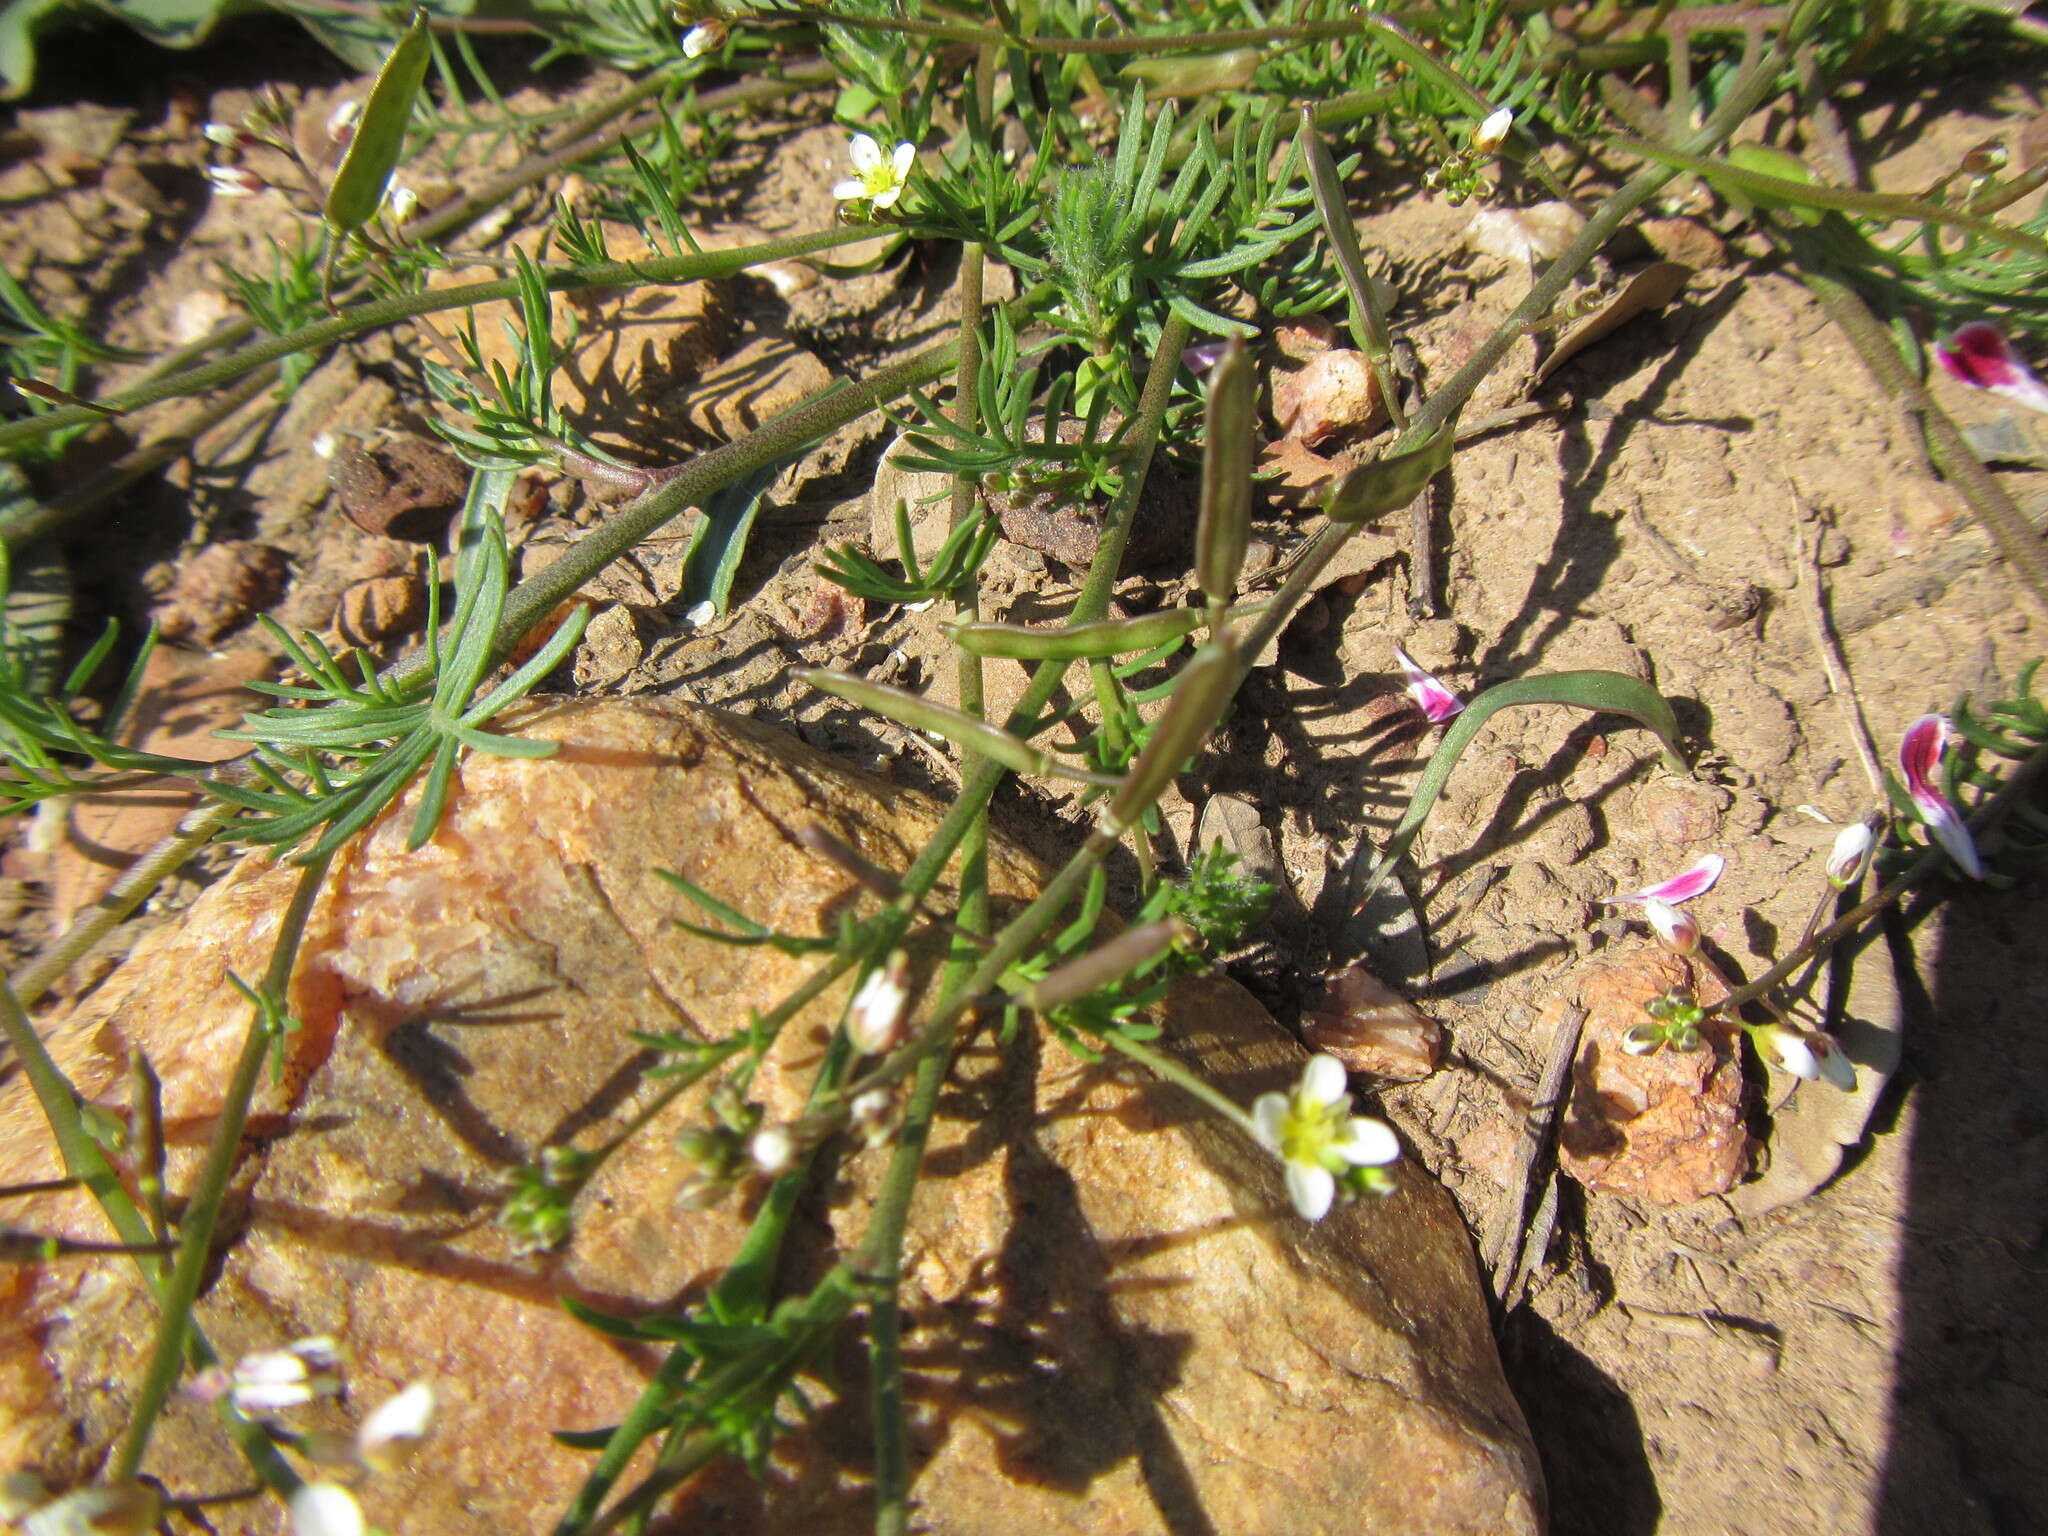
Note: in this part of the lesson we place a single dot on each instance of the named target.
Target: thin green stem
(884, 1241)
(1444, 403)
(2022, 548)
(84, 1161)
(122, 898)
(1987, 816)
(202, 1209)
(41, 519)
(381, 312)
(1164, 1066)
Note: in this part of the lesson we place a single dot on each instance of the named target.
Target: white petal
(1312, 1189)
(404, 1417)
(865, 153)
(1836, 1067)
(272, 1397)
(886, 198)
(1269, 1118)
(1794, 1054)
(900, 166)
(1323, 1080)
(849, 189)
(326, 1509)
(1368, 1143)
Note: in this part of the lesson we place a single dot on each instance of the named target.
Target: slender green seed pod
(969, 732)
(1077, 642)
(379, 140)
(1201, 693)
(1198, 74)
(1371, 491)
(1225, 527)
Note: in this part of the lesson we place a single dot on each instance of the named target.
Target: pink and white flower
(1980, 356)
(1428, 691)
(1920, 762)
(1676, 930)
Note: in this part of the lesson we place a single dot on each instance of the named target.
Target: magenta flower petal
(1436, 701)
(1695, 881)
(1920, 761)
(1979, 355)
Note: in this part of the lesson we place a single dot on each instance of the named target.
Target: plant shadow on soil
(1969, 1409)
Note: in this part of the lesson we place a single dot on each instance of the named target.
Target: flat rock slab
(1114, 1322)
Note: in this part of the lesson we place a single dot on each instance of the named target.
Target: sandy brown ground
(1870, 1358)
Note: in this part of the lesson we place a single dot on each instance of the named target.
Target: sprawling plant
(1156, 176)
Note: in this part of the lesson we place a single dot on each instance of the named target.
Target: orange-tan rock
(1666, 1127)
(1113, 1321)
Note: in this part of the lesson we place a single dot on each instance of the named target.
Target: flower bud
(1788, 1048)
(1676, 930)
(234, 181)
(705, 37)
(341, 122)
(126, 1509)
(875, 1115)
(774, 1151)
(1850, 855)
(1488, 137)
(875, 1018)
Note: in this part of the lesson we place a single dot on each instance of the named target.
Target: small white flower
(773, 1151)
(387, 1437)
(700, 614)
(126, 1509)
(226, 135)
(875, 1017)
(877, 180)
(233, 181)
(326, 1509)
(400, 201)
(874, 1116)
(705, 37)
(1491, 134)
(291, 1377)
(323, 446)
(1317, 1138)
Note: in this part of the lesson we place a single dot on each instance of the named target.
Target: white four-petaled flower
(878, 179)
(1317, 1137)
